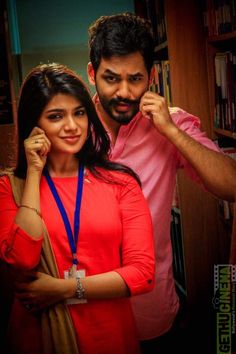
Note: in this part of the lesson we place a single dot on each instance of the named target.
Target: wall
(57, 30)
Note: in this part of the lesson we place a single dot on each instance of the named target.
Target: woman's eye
(80, 112)
(54, 116)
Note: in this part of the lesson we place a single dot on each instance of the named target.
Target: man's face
(120, 83)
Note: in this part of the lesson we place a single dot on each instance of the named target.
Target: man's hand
(155, 108)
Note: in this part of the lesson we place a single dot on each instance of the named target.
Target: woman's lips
(71, 139)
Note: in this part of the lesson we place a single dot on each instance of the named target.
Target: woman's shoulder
(115, 177)
(8, 179)
(4, 180)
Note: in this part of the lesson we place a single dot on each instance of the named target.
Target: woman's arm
(46, 290)
(17, 248)
(134, 276)
(21, 228)
(28, 215)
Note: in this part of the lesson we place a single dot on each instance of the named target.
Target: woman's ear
(91, 74)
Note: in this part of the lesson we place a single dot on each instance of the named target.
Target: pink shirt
(140, 146)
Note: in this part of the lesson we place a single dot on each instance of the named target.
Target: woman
(97, 246)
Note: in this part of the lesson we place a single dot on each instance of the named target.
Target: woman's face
(65, 122)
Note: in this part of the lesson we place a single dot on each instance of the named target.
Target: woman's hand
(37, 147)
(43, 291)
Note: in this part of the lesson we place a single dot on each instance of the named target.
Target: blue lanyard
(72, 238)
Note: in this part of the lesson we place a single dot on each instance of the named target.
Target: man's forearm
(216, 170)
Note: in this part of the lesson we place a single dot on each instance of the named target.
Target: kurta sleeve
(137, 251)
(17, 248)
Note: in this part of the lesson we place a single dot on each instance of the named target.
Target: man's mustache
(115, 101)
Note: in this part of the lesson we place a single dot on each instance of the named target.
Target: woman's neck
(63, 166)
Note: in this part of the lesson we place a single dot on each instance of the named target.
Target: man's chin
(122, 120)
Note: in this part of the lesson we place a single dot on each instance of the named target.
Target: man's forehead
(131, 64)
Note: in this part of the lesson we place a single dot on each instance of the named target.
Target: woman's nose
(70, 123)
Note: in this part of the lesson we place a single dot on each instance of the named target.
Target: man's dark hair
(118, 35)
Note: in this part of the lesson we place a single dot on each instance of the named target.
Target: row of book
(6, 113)
(162, 82)
(156, 14)
(161, 35)
(226, 207)
(219, 16)
(225, 91)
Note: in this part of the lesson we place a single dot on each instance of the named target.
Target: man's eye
(135, 78)
(111, 79)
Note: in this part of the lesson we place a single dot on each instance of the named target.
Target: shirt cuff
(20, 250)
(135, 280)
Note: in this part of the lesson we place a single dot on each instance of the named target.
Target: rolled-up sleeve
(137, 251)
(17, 248)
(191, 125)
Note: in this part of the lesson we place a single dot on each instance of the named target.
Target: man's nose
(123, 90)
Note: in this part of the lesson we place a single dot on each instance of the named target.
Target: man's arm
(216, 170)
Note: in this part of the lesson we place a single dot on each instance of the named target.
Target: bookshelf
(206, 238)
(220, 29)
(221, 59)
(8, 149)
(155, 11)
(7, 95)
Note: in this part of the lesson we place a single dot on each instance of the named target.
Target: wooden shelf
(226, 133)
(161, 46)
(222, 37)
(161, 51)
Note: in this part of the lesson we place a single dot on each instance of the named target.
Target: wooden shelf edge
(223, 132)
(221, 37)
(161, 46)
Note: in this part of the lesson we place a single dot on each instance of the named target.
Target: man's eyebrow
(110, 72)
(136, 74)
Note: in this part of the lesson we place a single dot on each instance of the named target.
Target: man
(155, 141)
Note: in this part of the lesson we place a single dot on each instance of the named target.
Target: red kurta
(115, 234)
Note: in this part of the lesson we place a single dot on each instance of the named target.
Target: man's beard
(122, 118)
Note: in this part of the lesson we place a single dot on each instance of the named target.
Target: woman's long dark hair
(40, 86)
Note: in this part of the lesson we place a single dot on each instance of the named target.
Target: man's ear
(152, 76)
(91, 74)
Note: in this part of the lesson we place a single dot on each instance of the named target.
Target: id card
(77, 274)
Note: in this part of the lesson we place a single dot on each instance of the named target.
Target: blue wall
(56, 30)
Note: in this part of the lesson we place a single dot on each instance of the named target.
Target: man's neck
(110, 125)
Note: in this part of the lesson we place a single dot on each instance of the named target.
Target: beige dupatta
(58, 336)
